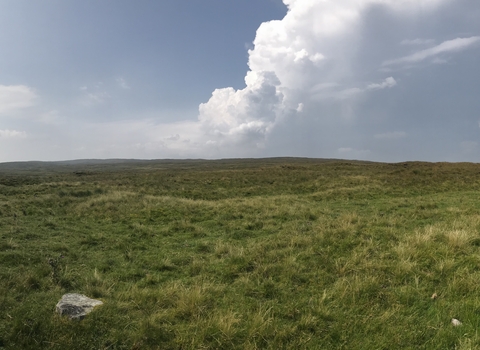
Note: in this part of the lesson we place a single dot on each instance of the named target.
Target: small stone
(456, 322)
(76, 306)
(434, 296)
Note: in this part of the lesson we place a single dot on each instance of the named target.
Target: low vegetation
(241, 254)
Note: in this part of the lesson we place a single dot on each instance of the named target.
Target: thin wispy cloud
(12, 134)
(349, 152)
(448, 46)
(122, 83)
(387, 83)
(417, 42)
(344, 94)
(95, 98)
(394, 135)
(51, 117)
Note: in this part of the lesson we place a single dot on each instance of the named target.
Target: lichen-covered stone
(76, 306)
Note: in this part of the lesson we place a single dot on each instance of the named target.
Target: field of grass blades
(241, 254)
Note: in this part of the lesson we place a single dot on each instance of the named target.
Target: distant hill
(132, 164)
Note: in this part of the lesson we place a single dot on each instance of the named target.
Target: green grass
(241, 254)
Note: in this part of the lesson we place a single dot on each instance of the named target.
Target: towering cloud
(307, 57)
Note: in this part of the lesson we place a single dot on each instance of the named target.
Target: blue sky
(381, 80)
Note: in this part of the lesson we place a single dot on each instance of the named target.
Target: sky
(379, 80)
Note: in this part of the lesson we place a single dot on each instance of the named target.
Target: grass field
(241, 254)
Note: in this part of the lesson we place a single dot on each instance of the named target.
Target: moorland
(280, 253)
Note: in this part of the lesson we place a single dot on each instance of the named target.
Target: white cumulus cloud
(304, 59)
(15, 97)
(244, 115)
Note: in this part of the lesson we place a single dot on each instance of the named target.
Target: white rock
(76, 306)
(456, 322)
